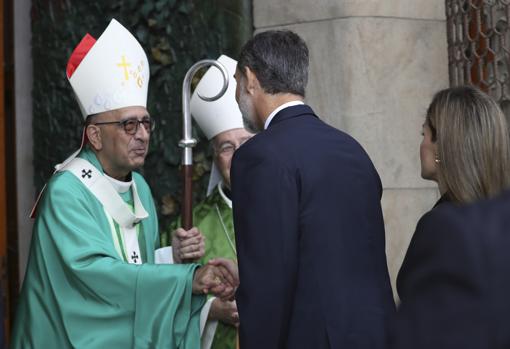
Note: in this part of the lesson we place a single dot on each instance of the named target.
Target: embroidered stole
(124, 220)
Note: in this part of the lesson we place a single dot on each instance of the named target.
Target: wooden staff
(187, 142)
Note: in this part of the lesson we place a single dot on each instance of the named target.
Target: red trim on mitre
(79, 53)
(74, 61)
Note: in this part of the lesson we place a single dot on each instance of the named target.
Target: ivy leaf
(186, 7)
(131, 4)
(161, 57)
(146, 9)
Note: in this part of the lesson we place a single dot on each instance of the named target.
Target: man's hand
(229, 268)
(187, 246)
(224, 311)
(214, 280)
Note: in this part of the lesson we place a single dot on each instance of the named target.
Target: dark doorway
(8, 233)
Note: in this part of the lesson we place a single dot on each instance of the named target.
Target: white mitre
(217, 116)
(113, 74)
(109, 73)
(222, 114)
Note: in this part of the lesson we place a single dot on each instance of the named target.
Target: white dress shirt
(281, 107)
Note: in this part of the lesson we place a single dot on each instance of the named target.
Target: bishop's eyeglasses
(131, 125)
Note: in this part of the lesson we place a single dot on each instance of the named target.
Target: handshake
(219, 276)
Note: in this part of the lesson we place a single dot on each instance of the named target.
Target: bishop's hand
(187, 245)
(216, 280)
(229, 269)
(224, 311)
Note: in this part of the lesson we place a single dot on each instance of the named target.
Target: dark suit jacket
(310, 239)
(454, 283)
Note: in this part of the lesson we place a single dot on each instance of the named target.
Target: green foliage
(175, 34)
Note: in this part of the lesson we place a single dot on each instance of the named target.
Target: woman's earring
(437, 160)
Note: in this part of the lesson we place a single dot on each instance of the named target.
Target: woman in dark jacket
(466, 150)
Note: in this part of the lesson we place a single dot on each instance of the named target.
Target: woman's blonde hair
(472, 141)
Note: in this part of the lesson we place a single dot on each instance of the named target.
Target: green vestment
(214, 218)
(80, 293)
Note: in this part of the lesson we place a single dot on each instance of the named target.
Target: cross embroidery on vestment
(87, 173)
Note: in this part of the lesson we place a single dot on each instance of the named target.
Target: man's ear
(252, 83)
(93, 133)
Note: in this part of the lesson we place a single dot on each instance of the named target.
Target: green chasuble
(80, 293)
(214, 218)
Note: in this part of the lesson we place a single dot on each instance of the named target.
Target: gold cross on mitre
(125, 65)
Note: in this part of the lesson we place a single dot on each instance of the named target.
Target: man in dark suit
(307, 215)
(454, 283)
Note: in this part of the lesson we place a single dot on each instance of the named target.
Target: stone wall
(375, 65)
(24, 144)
